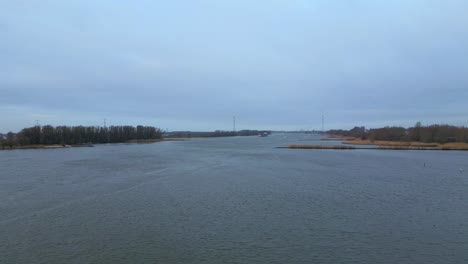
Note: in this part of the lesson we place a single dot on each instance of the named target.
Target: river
(233, 200)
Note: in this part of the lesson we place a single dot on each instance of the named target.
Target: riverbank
(318, 147)
(58, 146)
(382, 144)
(339, 147)
(412, 145)
(55, 146)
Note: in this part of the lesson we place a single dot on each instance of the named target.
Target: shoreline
(358, 143)
(412, 145)
(59, 146)
(54, 146)
(338, 147)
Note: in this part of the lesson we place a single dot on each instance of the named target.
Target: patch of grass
(412, 145)
(391, 143)
(319, 147)
(35, 147)
(454, 146)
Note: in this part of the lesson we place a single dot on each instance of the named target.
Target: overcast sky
(192, 65)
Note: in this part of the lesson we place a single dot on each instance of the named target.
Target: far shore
(54, 146)
(318, 147)
(337, 147)
(409, 144)
(383, 144)
(60, 146)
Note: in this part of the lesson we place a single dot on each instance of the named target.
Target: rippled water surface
(233, 200)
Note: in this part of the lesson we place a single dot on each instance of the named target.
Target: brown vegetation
(385, 144)
(336, 138)
(388, 143)
(319, 147)
(36, 146)
(419, 133)
(454, 146)
(438, 137)
(40, 146)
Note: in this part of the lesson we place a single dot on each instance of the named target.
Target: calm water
(232, 200)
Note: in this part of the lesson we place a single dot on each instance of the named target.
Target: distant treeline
(217, 133)
(49, 135)
(432, 133)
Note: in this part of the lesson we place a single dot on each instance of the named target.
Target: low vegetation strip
(55, 146)
(448, 146)
(319, 147)
(425, 134)
(419, 137)
(454, 146)
(390, 143)
(412, 145)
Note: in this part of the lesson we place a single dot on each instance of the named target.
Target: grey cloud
(192, 65)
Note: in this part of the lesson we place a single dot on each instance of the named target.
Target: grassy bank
(319, 147)
(381, 144)
(393, 147)
(355, 141)
(413, 145)
(57, 146)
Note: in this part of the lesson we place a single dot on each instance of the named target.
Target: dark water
(232, 200)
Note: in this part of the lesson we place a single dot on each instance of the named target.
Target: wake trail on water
(87, 198)
(218, 163)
